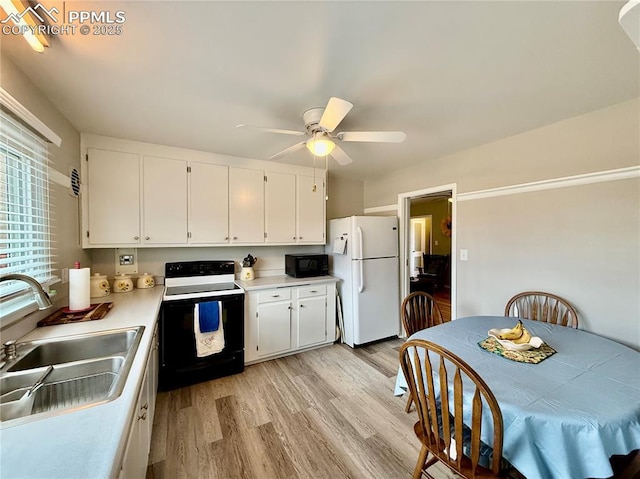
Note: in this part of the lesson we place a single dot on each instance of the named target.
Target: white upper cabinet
(246, 206)
(311, 209)
(112, 197)
(208, 204)
(164, 201)
(144, 195)
(280, 207)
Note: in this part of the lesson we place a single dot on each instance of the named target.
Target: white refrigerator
(363, 254)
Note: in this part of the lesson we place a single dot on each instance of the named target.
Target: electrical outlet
(126, 261)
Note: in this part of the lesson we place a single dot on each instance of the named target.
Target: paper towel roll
(79, 289)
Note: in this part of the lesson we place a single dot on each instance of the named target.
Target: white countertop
(88, 443)
(283, 282)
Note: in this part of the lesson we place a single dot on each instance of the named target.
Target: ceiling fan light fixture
(320, 146)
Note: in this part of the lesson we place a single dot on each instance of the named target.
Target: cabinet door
(311, 210)
(246, 205)
(165, 200)
(280, 207)
(136, 456)
(208, 203)
(274, 328)
(311, 321)
(113, 197)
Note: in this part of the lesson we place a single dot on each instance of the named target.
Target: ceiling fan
(320, 124)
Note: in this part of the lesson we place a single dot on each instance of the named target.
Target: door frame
(404, 216)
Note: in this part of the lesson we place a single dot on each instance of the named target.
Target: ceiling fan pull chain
(314, 173)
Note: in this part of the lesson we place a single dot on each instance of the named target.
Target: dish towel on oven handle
(206, 316)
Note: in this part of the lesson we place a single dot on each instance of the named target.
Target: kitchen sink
(56, 376)
(76, 348)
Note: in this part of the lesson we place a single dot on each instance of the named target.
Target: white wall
(580, 242)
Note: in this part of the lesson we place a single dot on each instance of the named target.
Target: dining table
(565, 416)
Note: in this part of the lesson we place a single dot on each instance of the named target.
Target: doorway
(420, 241)
(422, 245)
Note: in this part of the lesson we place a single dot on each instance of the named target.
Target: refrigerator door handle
(361, 287)
(360, 242)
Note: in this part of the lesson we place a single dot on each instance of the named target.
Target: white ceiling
(451, 74)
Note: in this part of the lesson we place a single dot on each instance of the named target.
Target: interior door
(420, 241)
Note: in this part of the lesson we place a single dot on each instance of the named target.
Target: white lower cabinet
(286, 319)
(311, 308)
(136, 456)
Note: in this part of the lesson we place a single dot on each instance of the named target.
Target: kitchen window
(25, 223)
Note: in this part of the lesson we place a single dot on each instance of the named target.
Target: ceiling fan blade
(334, 113)
(340, 156)
(375, 136)
(274, 130)
(291, 149)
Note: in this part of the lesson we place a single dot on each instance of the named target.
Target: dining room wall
(579, 241)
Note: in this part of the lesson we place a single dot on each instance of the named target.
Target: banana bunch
(517, 334)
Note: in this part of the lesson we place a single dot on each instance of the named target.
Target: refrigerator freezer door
(375, 293)
(374, 237)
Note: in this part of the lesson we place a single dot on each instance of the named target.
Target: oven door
(179, 363)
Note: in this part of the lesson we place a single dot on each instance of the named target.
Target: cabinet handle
(302, 305)
(313, 291)
(146, 238)
(289, 307)
(143, 417)
(275, 296)
(235, 237)
(294, 237)
(299, 237)
(146, 406)
(226, 238)
(136, 238)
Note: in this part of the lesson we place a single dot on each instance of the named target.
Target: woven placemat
(532, 356)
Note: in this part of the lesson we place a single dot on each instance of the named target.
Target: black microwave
(306, 265)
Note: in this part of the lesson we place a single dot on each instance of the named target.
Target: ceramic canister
(122, 283)
(99, 286)
(145, 281)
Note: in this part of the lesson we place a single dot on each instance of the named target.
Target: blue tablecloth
(564, 417)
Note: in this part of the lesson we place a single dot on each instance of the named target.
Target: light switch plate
(463, 255)
(126, 261)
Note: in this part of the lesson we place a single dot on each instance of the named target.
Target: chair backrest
(434, 264)
(541, 306)
(453, 404)
(420, 311)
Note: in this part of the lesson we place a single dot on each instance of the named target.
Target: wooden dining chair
(541, 306)
(447, 391)
(419, 311)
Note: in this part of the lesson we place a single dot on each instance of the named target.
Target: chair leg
(409, 402)
(422, 459)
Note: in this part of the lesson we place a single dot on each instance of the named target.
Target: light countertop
(87, 442)
(283, 281)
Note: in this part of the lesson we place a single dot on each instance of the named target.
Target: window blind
(25, 237)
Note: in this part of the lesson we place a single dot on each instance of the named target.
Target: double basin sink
(55, 376)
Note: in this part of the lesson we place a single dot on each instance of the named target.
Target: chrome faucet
(42, 298)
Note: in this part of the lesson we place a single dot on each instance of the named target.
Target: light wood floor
(443, 298)
(326, 413)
